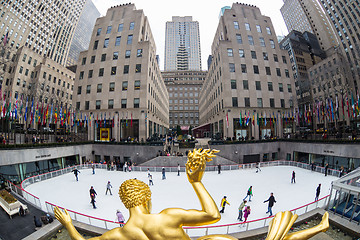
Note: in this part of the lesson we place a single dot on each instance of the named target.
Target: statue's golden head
(134, 192)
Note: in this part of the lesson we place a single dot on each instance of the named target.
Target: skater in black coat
(271, 201)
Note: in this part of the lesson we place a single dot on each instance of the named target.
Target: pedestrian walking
(120, 218)
(150, 180)
(249, 193)
(223, 204)
(163, 173)
(125, 167)
(178, 168)
(241, 207)
(108, 188)
(313, 166)
(246, 213)
(293, 177)
(318, 192)
(326, 169)
(219, 168)
(271, 201)
(76, 172)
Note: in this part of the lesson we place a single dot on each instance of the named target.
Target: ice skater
(293, 177)
(223, 204)
(76, 172)
(148, 172)
(258, 167)
(163, 173)
(150, 180)
(326, 169)
(271, 201)
(120, 218)
(178, 169)
(246, 213)
(93, 168)
(108, 188)
(318, 192)
(92, 191)
(249, 193)
(92, 196)
(241, 207)
(219, 168)
(125, 167)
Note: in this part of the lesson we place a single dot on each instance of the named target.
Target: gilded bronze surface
(167, 224)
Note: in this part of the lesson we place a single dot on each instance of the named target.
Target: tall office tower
(309, 16)
(83, 32)
(184, 88)
(249, 83)
(182, 45)
(46, 27)
(118, 80)
(304, 51)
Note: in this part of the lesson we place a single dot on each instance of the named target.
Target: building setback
(182, 45)
(118, 78)
(249, 77)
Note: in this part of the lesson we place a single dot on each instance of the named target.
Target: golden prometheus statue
(166, 225)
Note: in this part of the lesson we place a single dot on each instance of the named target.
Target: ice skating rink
(176, 191)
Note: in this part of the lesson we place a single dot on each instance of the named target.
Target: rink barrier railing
(108, 224)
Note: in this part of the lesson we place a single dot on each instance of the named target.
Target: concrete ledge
(45, 231)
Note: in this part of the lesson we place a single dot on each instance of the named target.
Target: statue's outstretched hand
(64, 218)
(195, 175)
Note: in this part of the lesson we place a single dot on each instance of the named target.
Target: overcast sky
(206, 12)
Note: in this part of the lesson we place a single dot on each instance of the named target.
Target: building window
(236, 24)
(115, 55)
(103, 57)
(241, 53)
(92, 60)
(87, 105)
(239, 38)
(281, 89)
(77, 105)
(138, 68)
(258, 85)
(137, 85)
(136, 102)
(282, 102)
(111, 87)
(132, 25)
(287, 73)
(272, 43)
(230, 52)
(259, 102)
(98, 32)
(258, 28)
(106, 42)
(243, 68)
(245, 85)
(139, 53)
(83, 61)
(108, 30)
(253, 54)
(81, 76)
(270, 86)
(256, 69)
(284, 59)
(124, 85)
(110, 103)
(233, 84)
(231, 67)
(247, 102)
(79, 90)
(265, 56)
(234, 101)
(113, 70)
(289, 88)
(101, 72)
(88, 89)
(247, 27)
(98, 104)
(278, 72)
(117, 41)
(251, 40)
(276, 58)
(127, 53)
(272, 102)
(129, 39)
(268, 30)
(268, 71)
(126, 69)
(123, 103)
(99, 88)
(262, 41)
(120, 28)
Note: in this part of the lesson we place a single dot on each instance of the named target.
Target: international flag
(240, 120)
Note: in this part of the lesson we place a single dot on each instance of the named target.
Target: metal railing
(191, 231)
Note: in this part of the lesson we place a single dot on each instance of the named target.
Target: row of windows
(113, 71)
(136, 104)
(180, 107)
(117, 42)
(119, 29)
(253, 55)
(111, 87)
(256, 70)
(258, 86)
(251, 41)
(259, 102)
(115, 56)
(185, 114)
(248, 28)
(59, 81)
(186, 101)
(183, 94)
(184, 122)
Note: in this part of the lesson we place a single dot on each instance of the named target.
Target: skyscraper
(182, 45)
(83, 32)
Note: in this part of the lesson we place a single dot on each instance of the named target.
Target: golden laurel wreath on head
(199, 157)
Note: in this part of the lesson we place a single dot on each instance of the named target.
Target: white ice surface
(176, 191)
